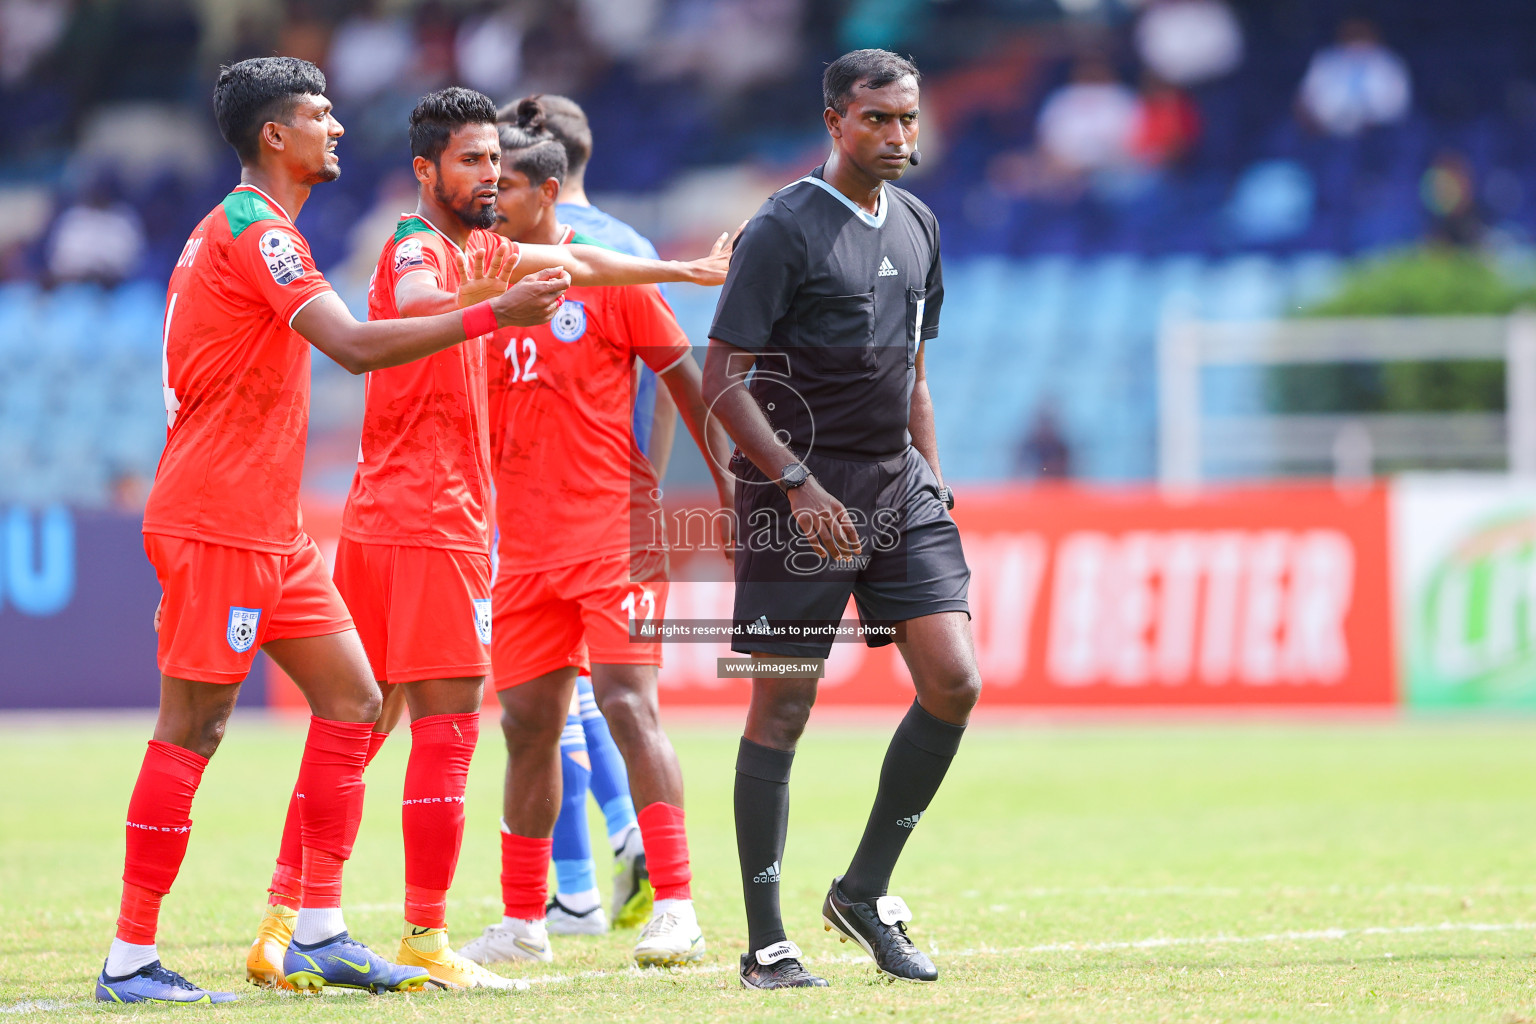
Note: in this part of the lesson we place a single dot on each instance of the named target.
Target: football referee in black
(834, 290)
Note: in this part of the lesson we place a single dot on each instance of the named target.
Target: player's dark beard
(471, 213)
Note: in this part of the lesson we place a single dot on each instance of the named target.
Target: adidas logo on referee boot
(768, 875)
(887, 269)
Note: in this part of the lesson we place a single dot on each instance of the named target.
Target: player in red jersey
(225, 535)
(413, 564)
(577, 563)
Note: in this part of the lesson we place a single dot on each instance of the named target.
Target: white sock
(532, 926)
(581, 902)
(682, 908)
(126, 957)
(318, 924)
(619, 840)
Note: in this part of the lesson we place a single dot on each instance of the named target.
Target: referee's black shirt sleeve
(767, 268)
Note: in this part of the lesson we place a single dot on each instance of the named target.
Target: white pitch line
(1156, 942)
(1045, 892)
(1314, 935)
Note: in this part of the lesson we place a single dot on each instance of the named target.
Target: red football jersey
(423, 468)
(571, 484)
(236, 380)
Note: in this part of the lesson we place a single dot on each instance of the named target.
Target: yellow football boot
(264, 963)
(428, 949)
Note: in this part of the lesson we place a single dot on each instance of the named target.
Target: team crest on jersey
(483, 618)
(241, 632)
(570, 322)
(282, 256)
(409, 254)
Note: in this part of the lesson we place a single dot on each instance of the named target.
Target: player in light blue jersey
(589, 759)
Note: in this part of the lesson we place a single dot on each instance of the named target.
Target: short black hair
(252, 92)
(527, 145)
(439, 114)
(875, 68)
(565, 122)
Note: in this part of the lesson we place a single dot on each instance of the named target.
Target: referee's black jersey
(833, 301)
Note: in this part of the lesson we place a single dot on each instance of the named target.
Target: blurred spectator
(1356, 83)
(1448, 194)
(304, 34)
(28, 30)
(435, 30)
(1274, 200)
(1187, 42)
(623, 28)
(129, 490)
(98, 240)
(1043, 452)
(1167, 124)
(1088, 124)
(251, 40)
(732, 45)
(488, 49)
(369, 52)
(557, 55)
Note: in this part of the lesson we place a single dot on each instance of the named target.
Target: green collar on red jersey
(244, 207)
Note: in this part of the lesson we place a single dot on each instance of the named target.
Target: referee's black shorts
(788, 597)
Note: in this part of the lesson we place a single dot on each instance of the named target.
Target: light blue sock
(572, 849)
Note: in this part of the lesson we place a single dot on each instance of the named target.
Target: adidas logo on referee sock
(887, 269)
(768, 875)
(911, 821)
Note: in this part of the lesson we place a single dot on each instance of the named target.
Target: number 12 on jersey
(522, 361)
(641, 605)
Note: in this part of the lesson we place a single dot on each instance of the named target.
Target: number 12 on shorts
(641, 605)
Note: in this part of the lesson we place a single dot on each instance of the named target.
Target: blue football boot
(153, 983)
(343, 962)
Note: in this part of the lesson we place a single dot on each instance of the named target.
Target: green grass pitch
(1299, 872)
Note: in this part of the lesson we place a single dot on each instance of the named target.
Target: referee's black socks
(915, 764)
(762, 818)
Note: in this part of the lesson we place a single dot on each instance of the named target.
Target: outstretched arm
(375, 344)
(591, 265)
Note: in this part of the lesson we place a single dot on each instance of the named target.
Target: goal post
(1189, 439)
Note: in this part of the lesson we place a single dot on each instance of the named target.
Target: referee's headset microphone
(915, 159)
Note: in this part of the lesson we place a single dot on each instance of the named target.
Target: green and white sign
(1464, 557)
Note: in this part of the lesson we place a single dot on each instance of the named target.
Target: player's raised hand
(480, 276)
(824, 521)
(711, 269)
(533, 300)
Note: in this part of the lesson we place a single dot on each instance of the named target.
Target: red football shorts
(573, 615)
(221, 604)
(422, 613)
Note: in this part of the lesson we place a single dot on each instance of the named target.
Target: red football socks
(330, 793)
(158, 828)
(524, 876)
(286, 888)
(432, 811)
(666, 850)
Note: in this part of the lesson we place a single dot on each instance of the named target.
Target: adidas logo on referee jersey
(911, 821)
(768, 875)
(887, 269)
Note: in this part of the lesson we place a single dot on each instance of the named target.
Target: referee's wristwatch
(794, 475)
(947, 496)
